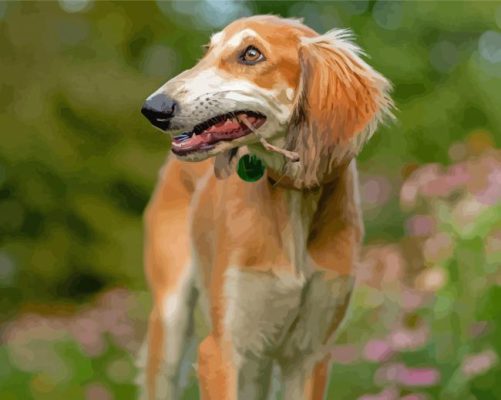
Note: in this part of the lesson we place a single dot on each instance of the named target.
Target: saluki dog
(270, 256)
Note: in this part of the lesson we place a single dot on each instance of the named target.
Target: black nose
(159, 109)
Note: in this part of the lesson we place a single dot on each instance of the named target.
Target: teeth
(224, 124)
(183, 137)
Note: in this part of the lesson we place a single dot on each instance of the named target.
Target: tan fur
(274, 260)
(332, 128)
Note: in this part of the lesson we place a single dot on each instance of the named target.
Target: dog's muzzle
(159, 110)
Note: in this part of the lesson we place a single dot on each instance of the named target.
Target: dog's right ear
(341, 100)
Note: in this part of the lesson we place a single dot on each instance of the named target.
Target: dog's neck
(311, 210)
(294, 175)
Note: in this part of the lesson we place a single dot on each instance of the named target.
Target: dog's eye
(251, 56)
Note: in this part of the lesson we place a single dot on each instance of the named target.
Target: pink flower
(446, 182)
(345, 354)
(377, 350)
(88, 333)
(411, 300)
(479, 328)
(491, 194)
(375, 191)
(408, 339)
(414, 396)
(477, 364)
(438, 248)
(398, 373)
(382, 265)
(413, 186)
(432, 180)
(457, 176)
(436, 188)
(386, 394)
(419, 377)
(97, 391)
(420, 225)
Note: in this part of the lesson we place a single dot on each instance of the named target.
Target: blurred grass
(78, 163)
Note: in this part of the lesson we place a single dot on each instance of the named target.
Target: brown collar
(287, 183)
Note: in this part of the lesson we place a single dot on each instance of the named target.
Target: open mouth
(221, 128)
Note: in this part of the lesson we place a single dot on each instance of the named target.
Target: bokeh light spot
(74, 6)
(443, 56)
(489, 46)
(7, 270)
(3, 9)
(388, 14)
(206, 13)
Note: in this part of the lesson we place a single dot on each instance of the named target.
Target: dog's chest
(258, 250)
(283, 315)
(270, 232)
(262, 241)
(260, 306)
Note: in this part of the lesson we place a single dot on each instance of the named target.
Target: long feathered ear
(340, 102)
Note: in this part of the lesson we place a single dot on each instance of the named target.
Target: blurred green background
(78, 163)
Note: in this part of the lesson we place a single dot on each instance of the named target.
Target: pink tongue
(221, 130)
(223, 127)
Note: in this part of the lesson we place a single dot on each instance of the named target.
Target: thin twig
(293, 156)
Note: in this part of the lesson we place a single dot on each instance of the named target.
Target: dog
(272, 262)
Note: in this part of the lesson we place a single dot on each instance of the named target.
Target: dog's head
(270, 78)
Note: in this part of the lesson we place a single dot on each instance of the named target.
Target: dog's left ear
(340, 101)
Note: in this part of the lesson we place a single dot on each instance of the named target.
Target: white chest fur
(285, 313)
(301, 210)
(260, 305)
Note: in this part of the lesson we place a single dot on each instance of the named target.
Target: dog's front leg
(170, 270)
(306, 383)
(223, 377)
(305, 358)
(216, 370)
(333, 249)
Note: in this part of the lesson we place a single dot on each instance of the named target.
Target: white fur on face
(206, 91)
(239, 37)
(216, 38)
(211, 92)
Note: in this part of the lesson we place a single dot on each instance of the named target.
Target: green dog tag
(250, 168)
